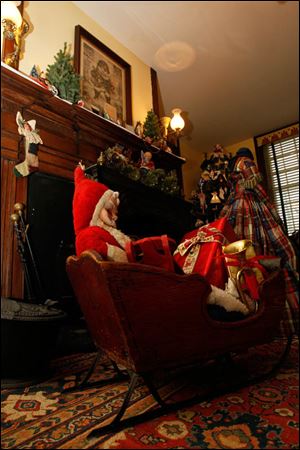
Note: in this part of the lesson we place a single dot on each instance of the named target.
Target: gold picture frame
(105, 78)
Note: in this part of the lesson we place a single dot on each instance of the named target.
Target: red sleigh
(147, 319)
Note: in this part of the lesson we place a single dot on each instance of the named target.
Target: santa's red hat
(89, 198)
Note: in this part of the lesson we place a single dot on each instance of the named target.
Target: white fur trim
(107, 194)
(231, 289)
(116, 254)
(120, 237)
(228, 301)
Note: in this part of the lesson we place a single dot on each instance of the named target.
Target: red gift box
(156, 251)
(200, 251)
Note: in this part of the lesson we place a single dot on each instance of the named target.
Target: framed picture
(106, 78)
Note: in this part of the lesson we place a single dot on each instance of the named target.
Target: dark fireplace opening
(51, 235)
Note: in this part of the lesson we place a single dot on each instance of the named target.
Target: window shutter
(282, 167)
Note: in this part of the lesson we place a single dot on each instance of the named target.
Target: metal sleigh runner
(147, 320)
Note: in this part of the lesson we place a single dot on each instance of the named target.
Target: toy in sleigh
(147, 319)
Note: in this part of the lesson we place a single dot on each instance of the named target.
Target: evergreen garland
(169, 185)
(62, 75)
(156, 178)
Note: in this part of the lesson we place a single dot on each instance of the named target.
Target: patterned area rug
(262, 415)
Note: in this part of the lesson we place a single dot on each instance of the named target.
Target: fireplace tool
(32, 278)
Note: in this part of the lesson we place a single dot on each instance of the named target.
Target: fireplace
(51, 234)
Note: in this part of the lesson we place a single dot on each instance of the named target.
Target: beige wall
(191, 169)
(53, 23)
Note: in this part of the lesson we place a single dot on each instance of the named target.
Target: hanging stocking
(32, 141)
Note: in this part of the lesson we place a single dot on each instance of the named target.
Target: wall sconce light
(177, 123)
(13, 28)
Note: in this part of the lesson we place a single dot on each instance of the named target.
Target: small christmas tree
(62, 75)
(152, 126)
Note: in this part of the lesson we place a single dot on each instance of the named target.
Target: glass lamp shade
(9, 11)
(177, 122)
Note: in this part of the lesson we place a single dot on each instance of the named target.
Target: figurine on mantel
(146, 161)
(40, 77)
(165, 147)
(138, 129)
(115, 157)
(32, 141)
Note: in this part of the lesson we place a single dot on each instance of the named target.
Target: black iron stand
(33, 282)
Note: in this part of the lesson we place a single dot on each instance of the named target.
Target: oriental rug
(261, 415)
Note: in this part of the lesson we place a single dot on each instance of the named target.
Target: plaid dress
(254, 217)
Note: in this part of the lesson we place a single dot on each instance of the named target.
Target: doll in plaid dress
(252, 216)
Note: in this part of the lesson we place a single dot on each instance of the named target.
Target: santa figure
(95, 209)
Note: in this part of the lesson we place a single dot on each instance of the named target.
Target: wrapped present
(247, 269)
(200, 251)
(237, 254)
(156, 251)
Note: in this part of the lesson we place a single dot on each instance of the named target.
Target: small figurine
(139, 129)
(146, 161)
(34, 72)
(40, 78)
(148, 139)
(32, 141)
(164, 146)
(119, 151)
(205, 175)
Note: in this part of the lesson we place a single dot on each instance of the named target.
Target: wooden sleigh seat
(145, 318)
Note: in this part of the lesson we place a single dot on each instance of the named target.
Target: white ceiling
(231, 66)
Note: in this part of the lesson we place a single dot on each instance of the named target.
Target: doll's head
(147, 157)
(108, 213)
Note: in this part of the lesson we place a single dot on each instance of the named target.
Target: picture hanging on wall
(105, 78)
